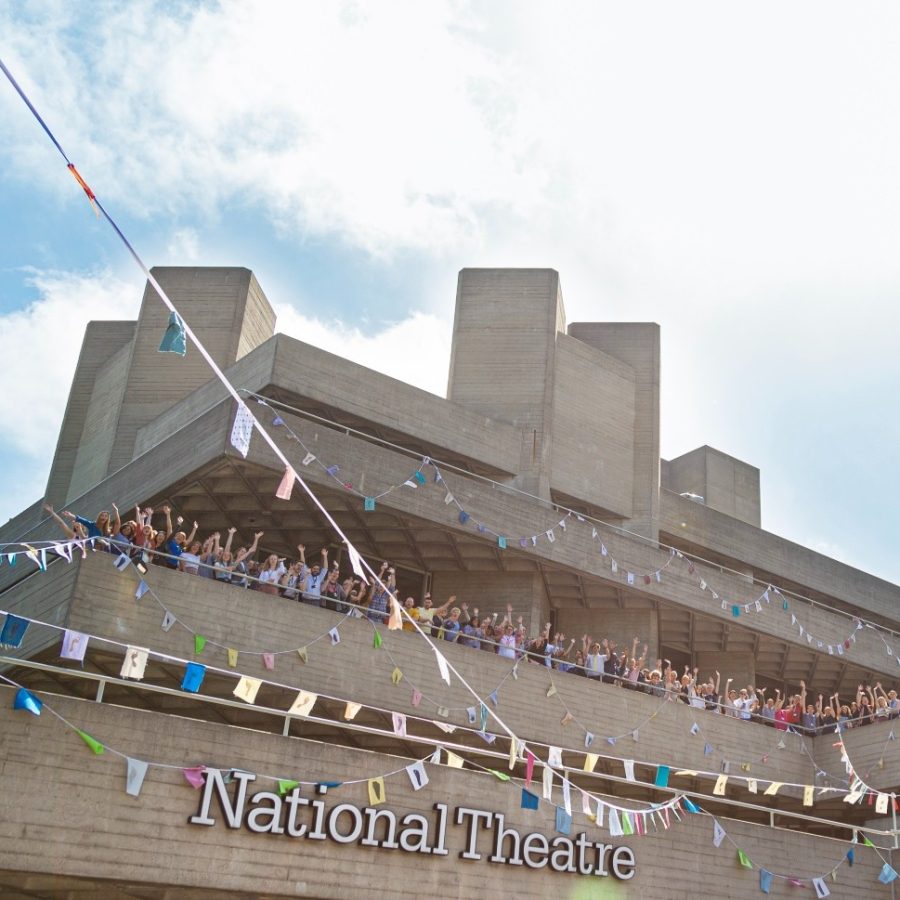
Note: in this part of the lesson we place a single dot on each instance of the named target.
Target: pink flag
(287, 484)
(416, 697)
(194, 776)
(268, 660)
(529, 767)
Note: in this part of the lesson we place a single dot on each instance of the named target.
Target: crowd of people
(320, 584)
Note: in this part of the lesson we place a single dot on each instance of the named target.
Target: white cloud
(39, 347)
(183, 248)
(415, 349)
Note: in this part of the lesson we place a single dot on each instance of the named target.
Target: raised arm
(251, 549)
(229, 539)
(117, 520)
(69, 533)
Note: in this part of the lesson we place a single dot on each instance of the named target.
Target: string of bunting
(552, 533)
(618, 820)
(75, 644)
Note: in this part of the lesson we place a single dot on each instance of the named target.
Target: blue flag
(28, 702)
(193, 677)
(563, 821)
(887, 874)
(765, 881)
(174, 340)
(529, 800)
(13, 631)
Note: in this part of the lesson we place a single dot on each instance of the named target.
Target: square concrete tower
(123, 382)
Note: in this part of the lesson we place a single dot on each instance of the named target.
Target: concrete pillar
(502, 362)
(637, 345)
(227, 310)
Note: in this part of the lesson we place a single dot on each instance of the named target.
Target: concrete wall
(726, 484)
(74, 818)
(636, 345)
(102, 603)
(102, 342)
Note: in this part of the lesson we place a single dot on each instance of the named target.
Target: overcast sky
(728, 171)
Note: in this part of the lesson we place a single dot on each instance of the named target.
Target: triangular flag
(134, 663)
(689, 805)
(376, 640)
(199, 643)
(286, 785)
(304, 703)
(588, 739)
(286, 485)
(442, 666)
(142, 589)
(590, 761)
(529, 767)
(399, 721)
(744, 860)
(350, 710)
(194, 776)
(563, 820)
(501, 776)
(247, 688)
(395, 620)
(554, 757)
(93, 743)
(718, 834)
(268, 660)
(335, 636)
(765, 881)
(175, 341)
(548, 783)
(567, 795)
(566, 719)
(629, 769)
(135, 770)
(232, 657)
(529, 800)
(773, 788)
(820, 887)
(396, 675)
(808, 791)
(303, 653)
(662, 776)
(27, 701)
(417, 775)
(454, 761)
(122, 562)
(168, 621)
(615, 826)
(721, 782)
(888, 874)
(551, 691)
(416, 697)
(627, 827)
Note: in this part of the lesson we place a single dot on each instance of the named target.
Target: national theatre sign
(295, 816)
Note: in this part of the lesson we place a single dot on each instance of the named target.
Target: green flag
(744, 860)
(285, 786)
(377, 641)
(199, 643)
(93, 743)
(501, 775)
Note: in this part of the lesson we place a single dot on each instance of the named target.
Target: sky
(728, 171)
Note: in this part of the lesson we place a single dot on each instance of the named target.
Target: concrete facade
(546, 427)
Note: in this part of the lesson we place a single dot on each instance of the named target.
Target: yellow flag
(247, 689)
(304, 656)
(773, 788)
(395, 621)
(512, 752)
(304, 703)
(808, 795)
(590, 760)
(454, 761)
(689, 772)
(396, 675)
(719, 789)
(232, 657)
(351, 709)
(751, 785)
(376, 791)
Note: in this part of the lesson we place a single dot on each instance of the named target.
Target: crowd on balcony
(319, 583)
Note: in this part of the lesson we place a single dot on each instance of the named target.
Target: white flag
(629, 769)
(554, 757)
(718, 834)
(417, 775)
(399, 720)
(74, 645)
(442, 666)
(548, 783)
(304, 703)
(134, 663)
(134, 776)
(242, 430)
(567, 795)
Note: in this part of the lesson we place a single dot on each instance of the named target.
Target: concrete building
(543, 489)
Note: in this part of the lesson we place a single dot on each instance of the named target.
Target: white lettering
(333, 817)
